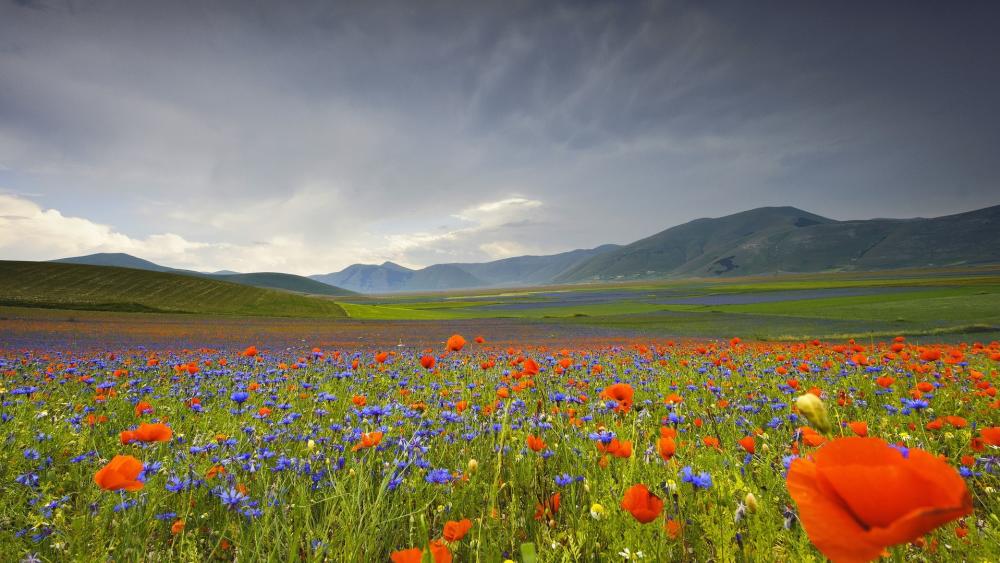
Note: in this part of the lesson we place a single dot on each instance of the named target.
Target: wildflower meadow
(467, 451)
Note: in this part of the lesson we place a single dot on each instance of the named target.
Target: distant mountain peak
(394, 266)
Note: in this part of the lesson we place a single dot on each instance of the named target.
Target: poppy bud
(751, 502)
(814, 410)
(473, 466)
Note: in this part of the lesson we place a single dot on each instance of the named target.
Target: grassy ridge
(75, 286)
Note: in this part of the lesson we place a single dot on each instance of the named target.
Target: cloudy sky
(306, 136)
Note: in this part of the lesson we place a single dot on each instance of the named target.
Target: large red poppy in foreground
(860, 495)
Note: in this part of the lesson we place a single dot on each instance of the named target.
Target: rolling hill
(269, 280)
(518, 271)
(110, 288)
(772, 240)
(766, 240)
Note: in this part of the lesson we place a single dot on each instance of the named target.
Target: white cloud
(30, 232)
(495, 210)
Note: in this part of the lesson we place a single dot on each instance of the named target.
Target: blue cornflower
(439, 476)
(232, 498)
(700, 481)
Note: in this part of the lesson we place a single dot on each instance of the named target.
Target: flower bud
(751, 502)
(473, 466)
(814, 410)
(596, 511)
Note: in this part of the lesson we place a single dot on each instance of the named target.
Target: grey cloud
(329, 121)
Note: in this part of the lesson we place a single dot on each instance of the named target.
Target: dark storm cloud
(335, 132)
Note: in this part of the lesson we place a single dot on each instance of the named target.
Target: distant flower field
(472, 450)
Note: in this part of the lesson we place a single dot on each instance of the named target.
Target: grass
(309, 497)
(924, 303)
(74, 286)
(953, 302)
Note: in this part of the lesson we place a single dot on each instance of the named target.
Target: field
(359, 435)
(935, 304)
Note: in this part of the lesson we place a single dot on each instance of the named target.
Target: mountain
(110, 288)
(531, 270)
(766, 240)
(368, 278)
(269, 280)
(511, 272)
(785, 239)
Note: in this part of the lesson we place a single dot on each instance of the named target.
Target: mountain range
(509, 272)
(766, 240)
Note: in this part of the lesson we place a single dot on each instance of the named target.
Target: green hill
(269, 280)
(285, 282)
(107, 288)
(772, 240)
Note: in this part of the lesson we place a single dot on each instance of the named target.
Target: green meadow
(932, 303)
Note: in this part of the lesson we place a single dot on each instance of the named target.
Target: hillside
(368, 278)
(285, 282)
(773, 240)
(531, 270)
(270, 280)
(79, 286)
(766, 240)
(117, 259)
(511, 272)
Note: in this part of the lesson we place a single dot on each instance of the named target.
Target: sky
(306, 136)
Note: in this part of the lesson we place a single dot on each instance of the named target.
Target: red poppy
(143, 408)
(456, 530)
(957, 421)
(666, 448)
(991, 435)
(368, 440)
(622, 393)
(455, 343)
(550, 509)
(930, 355)
(616, 448)
(147, 433)
(439, 552)
(748, 444)
(860, 495)
(535, 443)
(122, 472)
(427, 362)
(885, 382)
(859, 427)
(673, 528)
(643, 505)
